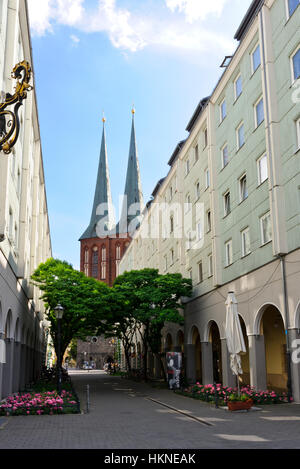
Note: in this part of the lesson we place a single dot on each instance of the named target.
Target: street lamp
(59, 311)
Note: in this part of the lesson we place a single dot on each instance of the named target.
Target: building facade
(227, 215)
(24, 226)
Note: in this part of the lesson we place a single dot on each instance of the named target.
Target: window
(238, 87)
(205, 138)
(222, 110)
(189, 241)
(187, 203)
(245, 235)
(266, 228)
(86, 262)
(200, 272)
(208, 219)
(228, 253)
(172, 256)
(227, 208)
(210, 265)
(95, 263)
(171, 192)
(103, 263)
(262, 169)
(259, 112)
(171, 224)
(16, 238)
(255, 58)
(240, 136)
(295, 62)
(196, 153)
(243, 188)
(298, 133)
(207, 178)
(187, 167)
(199, 230)
(197, 190)
(225, 156)
(10, 225)
(292, 5)
(118, 252)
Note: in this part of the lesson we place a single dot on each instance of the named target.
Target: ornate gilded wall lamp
(9, 120)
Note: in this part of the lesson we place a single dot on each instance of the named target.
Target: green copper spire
(133, 197)
(102, 208)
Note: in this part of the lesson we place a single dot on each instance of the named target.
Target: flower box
(240, 405)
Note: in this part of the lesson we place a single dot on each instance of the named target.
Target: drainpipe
(286, 316)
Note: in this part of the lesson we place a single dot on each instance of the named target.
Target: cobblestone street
(128, 415)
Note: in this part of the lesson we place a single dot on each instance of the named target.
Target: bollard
(87, 398)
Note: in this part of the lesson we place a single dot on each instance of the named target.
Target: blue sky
(92, 56)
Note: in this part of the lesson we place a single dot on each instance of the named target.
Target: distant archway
(215, 340)
(272, 328)
(198, 355)
(169, 343)
(180, 340)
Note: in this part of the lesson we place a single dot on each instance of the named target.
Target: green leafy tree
(153, 300)
(84, 301)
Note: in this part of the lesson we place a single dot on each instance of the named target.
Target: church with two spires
(104, 242)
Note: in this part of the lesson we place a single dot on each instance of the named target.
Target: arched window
(95, 262)
(103, 263)
(86, 262)
(118, 257)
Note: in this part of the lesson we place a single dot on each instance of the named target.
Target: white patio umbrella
(234, 336)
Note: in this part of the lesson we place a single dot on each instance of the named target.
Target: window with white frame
(243, 188)
(298, 133)
(262, 169)
(172, 256)
(225, 155)
(210, 265)
(255, 58)
(205, 138)
(295, 64)
(245, 235)
(200, 272)
(10, 225)
(259, 112)
(266, 228)
(228, 253)
(207, 178)
(197, 189)
(171, 224)
(222, 110)
(196, 153)
(208, 220)
(238, 87)
(291, 6)
(199, 230)
(240, 135)
(187, 203)
(95, 262)
(227, 208)
(187, 167)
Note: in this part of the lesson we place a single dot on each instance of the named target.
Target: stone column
(294, 340)
(8, 369)
(257, 357)
(17, 370)
(1, 374)
(207, 363)
(229, 379)
(190, 362)
(23, 366)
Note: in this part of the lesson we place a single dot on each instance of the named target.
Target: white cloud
(195, 10)
(74, 39)
(133, 32)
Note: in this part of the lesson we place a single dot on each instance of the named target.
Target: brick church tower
(104, 242)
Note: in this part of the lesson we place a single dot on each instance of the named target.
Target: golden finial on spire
(103, 117)
(133, 110)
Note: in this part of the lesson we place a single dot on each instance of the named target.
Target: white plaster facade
(24, 225)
